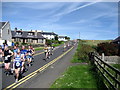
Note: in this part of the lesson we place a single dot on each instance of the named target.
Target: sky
(94, 20)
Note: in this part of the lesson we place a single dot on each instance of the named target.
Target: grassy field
(94, 42)
(79, 76)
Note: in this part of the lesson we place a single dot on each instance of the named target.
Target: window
(30, 34)
(17, 39)
(8, 31)
(29, 40)
(18, 33)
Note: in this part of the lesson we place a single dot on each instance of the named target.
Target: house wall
(49, 36)
(62, 39)
(6, 34)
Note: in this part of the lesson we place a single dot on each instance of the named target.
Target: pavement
(48, 70)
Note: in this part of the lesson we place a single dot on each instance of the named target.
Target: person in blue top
(15, 50)
(17, 64)
(23, 52)
(29, 55)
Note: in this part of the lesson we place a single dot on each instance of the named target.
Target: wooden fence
(110, 75)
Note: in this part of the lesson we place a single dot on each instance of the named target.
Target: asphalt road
(46, 78)
(39, 62)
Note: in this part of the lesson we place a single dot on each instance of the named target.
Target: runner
(1, 55)
(64, 47)
(7, 59)
(15, 50)
(33, 52)
(46, 51)
(23, 54)
(49, 51)
(52, 48)
(29, 56)
(18, 64)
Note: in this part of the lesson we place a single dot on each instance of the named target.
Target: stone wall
(112, 59)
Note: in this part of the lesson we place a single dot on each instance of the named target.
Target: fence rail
(111, 75)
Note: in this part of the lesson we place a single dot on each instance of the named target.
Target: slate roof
(117, 39)
(48, 33)
(25, 35)
(2, 24)
(62, 36)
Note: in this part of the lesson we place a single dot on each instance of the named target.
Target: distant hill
(95, 42)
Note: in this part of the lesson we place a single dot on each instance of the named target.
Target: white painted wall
(5, 35)
(62, 39)
(49, 36)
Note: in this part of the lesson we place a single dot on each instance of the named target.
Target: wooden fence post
(103, 56)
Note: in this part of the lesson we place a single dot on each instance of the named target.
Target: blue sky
(94, 20)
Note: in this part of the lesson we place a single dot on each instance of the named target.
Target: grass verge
(79, 76)
(55, 45)
(38, 48)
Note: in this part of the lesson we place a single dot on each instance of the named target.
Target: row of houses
(32, 36)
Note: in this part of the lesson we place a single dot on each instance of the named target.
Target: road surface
(42, 73)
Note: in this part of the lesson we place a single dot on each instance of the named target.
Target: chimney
(15, 28)
(20, 29)
(35, 32)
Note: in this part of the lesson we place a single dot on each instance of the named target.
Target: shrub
(24, 44)
(17, 43)
(109, 49)
(83, 51)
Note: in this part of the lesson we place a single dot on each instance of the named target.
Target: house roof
(48, 33)
(2, 24)
(25, 35)
(117, 39)
(61, 36)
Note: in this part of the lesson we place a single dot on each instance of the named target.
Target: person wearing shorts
(1, 55)
(17, 64)
(64, 47)
(23, 53)
(33, 51)
(52, 48)
(15, 50)
(46, 51)
(7, 59)
(29, 55)
(49, 51)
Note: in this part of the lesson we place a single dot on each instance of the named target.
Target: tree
(56, 37)
(67, 38)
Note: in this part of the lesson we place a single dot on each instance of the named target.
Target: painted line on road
(14, 85)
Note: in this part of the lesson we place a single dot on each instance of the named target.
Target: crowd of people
(17, 58)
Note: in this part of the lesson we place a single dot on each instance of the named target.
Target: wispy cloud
(93, 19)
(77, 8)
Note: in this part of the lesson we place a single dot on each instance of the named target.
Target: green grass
(94, 42)
(55, 45)
(76, 60)
(79, 76)
(81, 54)
(38, 48)
(117, 66)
